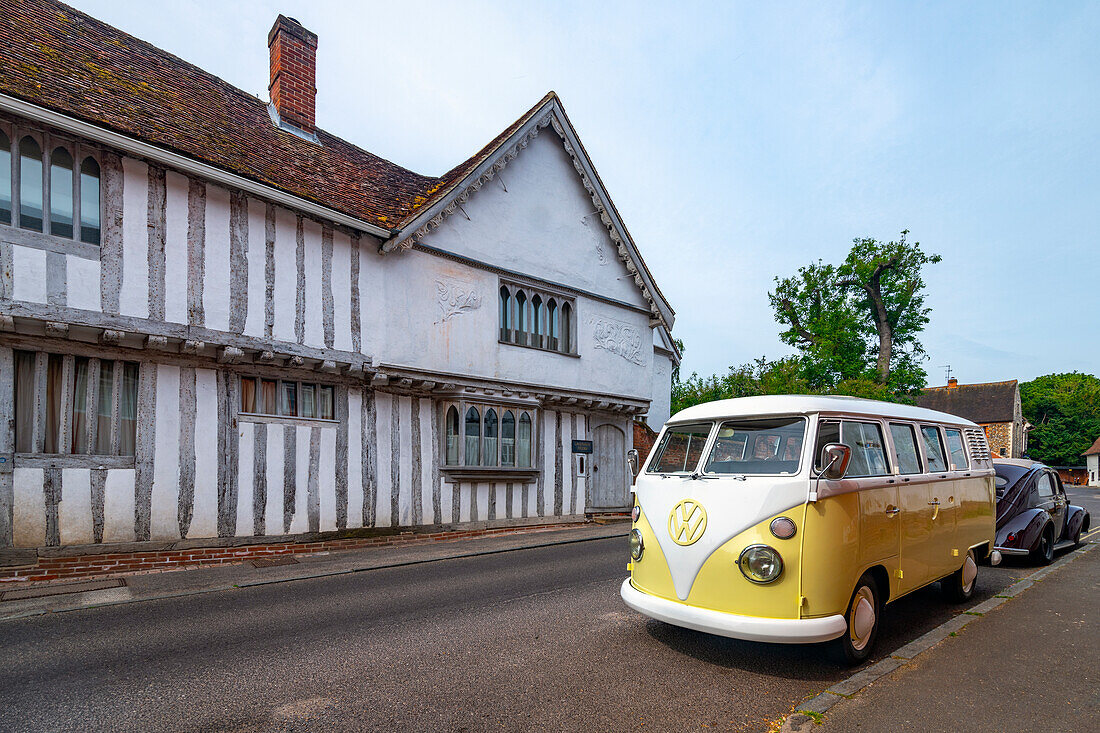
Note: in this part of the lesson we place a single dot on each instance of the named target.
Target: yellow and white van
(795, 519)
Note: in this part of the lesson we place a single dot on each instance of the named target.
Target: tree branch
(796, 325)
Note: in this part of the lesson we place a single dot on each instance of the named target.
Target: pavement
(1031, 663)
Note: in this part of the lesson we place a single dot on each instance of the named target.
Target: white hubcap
(970, 571)
(862, 622)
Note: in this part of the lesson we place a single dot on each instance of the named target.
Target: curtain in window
(80, 405)
(269, 394)
(248, 394)
(489, 444)
(127, 409)
(53, 404)
(523, 442)
(452, 436)
(30, 184)
(508, 439)
(89, 201)
(24, 401)
(61, 193)
(289, 404)
(473, 437)
(5, 179)
(103, 413)
(326, 403)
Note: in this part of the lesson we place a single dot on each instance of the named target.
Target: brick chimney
(293, 72)
(952, 383)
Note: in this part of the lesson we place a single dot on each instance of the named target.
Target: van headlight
(760, 563)
(636, 544)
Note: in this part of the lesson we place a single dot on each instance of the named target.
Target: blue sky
(742, 140)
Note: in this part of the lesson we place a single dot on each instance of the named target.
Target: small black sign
(582, 446)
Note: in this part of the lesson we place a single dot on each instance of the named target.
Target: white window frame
(279, 382)
(536, 331)
(482, 406)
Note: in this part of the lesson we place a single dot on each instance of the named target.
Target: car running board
(1063, 545)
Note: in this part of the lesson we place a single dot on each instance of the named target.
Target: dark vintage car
(1033, 515)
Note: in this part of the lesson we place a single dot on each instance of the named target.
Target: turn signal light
(783, 528)
(635, 513)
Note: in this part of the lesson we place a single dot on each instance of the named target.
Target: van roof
(807, 404)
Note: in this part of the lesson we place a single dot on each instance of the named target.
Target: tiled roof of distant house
(991, 402)
(1094, 450)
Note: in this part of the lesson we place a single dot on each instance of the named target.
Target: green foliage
(1064, 411)
(859, 320)
(763, 377)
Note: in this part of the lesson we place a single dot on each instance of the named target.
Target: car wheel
(863, 621)
(1044, 551)
(1077, 538)
(959, 586)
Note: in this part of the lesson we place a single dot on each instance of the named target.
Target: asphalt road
(522, 640)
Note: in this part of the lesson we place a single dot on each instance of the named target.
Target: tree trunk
(885, 333)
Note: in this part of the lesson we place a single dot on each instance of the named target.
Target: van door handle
(892, 510)
(934, 502)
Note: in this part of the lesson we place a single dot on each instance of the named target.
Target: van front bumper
(749, 628)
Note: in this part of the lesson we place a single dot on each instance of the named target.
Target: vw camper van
(796, 519)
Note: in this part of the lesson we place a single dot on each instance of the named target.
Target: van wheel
(1044, 551)
(863, 622)
(959, 586)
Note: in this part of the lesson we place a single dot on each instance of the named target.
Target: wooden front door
(609, 485)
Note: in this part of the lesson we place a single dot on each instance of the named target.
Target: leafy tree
(871, 307)
(1064, 411)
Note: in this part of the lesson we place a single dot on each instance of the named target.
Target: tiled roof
(59, 58)
(981, 403)
(1094, 450)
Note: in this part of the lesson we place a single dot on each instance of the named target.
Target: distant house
(993, 405)
(1092, 462)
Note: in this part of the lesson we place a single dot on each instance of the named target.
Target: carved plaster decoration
(455, 298)
(621, 339)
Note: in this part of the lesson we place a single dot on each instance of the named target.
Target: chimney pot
(293, 88)
(952, 383)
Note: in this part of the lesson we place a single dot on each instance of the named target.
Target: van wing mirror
(633, 461)
(835, 458)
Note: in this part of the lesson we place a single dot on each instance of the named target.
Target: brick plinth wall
(71, 567)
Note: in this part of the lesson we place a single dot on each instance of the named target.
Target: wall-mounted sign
(582, 446)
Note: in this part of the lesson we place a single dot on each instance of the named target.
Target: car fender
(1028, 527)
(1076, 520)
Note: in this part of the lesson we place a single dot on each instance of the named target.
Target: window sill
(76, 460)
(48, 242)
(539, 348)
(285, 419)
(456, 474)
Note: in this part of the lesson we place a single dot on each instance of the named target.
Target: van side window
(905, 448)
(868, 448)
(956, 449)
(827, 432)
(933, 448)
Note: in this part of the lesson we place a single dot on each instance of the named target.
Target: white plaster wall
(204, 516)
(326, 483)
(246, 487)
(175, 247)
(315, 334)
(355, 458)
(28, 274)
(133, 298)
(543, 224)
(29, 514)
(215, 291)
(404, 483)
(286, 275)
(382, 402)
(661, 402)
(164, 519)
(118, 505)
(257, 262)
(418, 334)
(276, 452)
(375, 272)
(341, 290)
(82, 276)
(74, 512)
(300, 521)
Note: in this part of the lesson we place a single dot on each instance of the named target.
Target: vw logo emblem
(686, 522)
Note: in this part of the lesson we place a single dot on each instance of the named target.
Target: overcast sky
(742, 140)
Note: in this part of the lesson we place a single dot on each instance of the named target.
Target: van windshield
(680, 449)
(762, 446)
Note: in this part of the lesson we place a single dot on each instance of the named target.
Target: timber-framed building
(219, 321)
